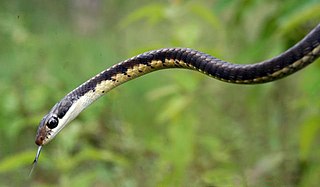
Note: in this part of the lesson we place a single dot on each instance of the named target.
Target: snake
(69, 107)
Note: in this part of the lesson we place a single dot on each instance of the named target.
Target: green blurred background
(168, 128)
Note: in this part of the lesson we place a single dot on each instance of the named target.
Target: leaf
(309, 131)
(220, 177)
(16, 161)
(153, 13)
(299, 18)
(206, 14)
(174, 107)
(91, 154)
(264, 167)
(188, 81)
(179, 149)
(162, 92)
(187, 34)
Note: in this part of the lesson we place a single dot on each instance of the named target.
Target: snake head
(57, 118)
(49, 126)
(46, 128)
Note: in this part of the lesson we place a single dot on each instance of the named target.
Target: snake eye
(52, 122)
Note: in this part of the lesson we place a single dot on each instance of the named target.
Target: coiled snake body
(292, 60)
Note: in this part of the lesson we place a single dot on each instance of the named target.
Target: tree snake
(297, 57)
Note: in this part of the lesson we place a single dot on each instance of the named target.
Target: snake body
(292, 60)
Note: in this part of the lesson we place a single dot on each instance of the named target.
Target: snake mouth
(39, 140)
(41, 136)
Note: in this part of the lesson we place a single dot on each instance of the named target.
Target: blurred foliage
(169, 128)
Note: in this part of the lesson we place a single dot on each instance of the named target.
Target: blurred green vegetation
(168, 128)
